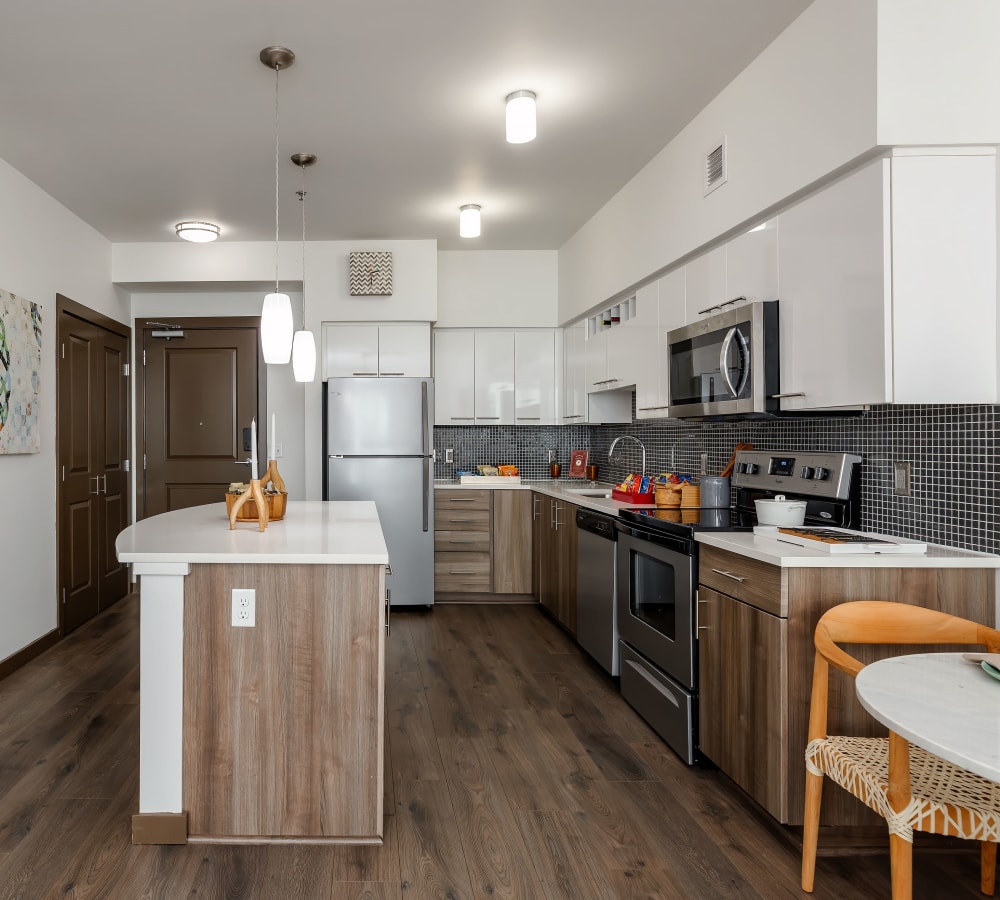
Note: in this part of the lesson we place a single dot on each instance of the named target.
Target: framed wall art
(20, 374)
(371, 273)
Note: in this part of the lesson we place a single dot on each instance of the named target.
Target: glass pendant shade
(469, 220)
(276, 329)
(304, 356)
(520, 117)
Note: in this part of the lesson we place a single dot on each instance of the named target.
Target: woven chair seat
(945, 799)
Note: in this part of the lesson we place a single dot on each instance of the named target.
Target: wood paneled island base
(280, 732)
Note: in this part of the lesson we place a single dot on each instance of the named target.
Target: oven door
(656, 599)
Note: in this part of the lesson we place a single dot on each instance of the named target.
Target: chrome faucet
(631, 437)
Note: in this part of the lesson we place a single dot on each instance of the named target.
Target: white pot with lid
(780, 511)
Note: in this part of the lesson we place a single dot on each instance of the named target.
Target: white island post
(270, 731)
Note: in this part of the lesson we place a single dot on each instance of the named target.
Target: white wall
(802, 109)
(938, 72)
(501, 288)
(44, 250)
(285, 396)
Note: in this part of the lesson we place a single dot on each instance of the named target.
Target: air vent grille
(716, 171)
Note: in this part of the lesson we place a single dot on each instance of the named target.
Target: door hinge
(63, 473)
(143, 462)
(125, 369)
(144, 357)
(128, 465)
(64, 596)
(64, 350)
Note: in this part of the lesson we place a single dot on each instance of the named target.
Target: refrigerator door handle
(424, 419)
(427, 490)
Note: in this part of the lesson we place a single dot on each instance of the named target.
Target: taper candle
(253, 449)
(273, 442)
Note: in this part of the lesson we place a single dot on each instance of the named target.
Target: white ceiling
(137, 115)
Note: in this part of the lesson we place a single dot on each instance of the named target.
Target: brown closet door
(93, 454)
(200, 392)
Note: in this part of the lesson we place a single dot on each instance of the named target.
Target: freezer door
(403, 491)
(379, 416)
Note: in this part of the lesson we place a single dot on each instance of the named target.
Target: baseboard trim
(160, 828)
(22, 657)
(253, 840)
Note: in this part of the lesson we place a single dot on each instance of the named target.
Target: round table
(940, 702)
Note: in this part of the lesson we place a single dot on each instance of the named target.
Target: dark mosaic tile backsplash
(953, 452)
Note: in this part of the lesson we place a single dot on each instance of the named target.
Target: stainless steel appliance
(377, 446)
(726, 364)
(657, 577)
(596, 617)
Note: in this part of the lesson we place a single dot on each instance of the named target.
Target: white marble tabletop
(340, 532)
(941, 702)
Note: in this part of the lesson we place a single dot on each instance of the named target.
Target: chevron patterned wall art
(371, 273)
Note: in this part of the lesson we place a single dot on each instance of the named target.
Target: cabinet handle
(529, 418)
(697, 615)
(646, 408)
(488, 418)
(555, 516)
(462, 572)
(580, 416)
(366, 374)
(729, 575)
(463, 541)
(720, 305)
(392, 373)
(534, 508)
(707, 309)
(462, 499)
(454, 521)
(789, 394)
(462, 418)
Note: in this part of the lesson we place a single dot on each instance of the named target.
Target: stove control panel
(819, 474)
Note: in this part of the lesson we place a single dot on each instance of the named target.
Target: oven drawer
(661, 701)
(449, 501)
(746, 579)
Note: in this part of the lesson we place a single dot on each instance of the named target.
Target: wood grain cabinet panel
(512, 542)
(746, 579)
(462, 541)
(462, 572)
(555, 542)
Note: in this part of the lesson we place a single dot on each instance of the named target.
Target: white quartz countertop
(778, 553)
(562, 489)
(312, 532)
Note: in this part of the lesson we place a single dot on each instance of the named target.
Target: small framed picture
(578, 464)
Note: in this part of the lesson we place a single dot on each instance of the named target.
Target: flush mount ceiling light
(276, 316)
(468, 220)
(198, 232)
(304, 341)
(520, 117)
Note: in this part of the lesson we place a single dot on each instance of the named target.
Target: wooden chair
(909, 787)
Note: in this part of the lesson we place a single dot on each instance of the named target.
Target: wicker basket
(668, 496)
(248, 511)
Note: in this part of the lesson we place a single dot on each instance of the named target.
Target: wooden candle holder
(255, 493)
(274, 477)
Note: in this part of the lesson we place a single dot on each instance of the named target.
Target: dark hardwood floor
(515, 770)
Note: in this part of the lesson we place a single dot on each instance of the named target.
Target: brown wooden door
(93, 441)
(200, 391)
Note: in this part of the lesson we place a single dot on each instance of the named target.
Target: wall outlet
(551, 456)
(901, 479)
(244, 607)
(449, 454)
(704, 464)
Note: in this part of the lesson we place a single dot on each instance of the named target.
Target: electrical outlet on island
(244, 607)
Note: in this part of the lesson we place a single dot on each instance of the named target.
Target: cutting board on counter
(489, 479)
(839, 540)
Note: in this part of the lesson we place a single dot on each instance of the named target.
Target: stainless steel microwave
(726, 364)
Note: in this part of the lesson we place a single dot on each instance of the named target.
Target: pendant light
(276, 316)
(304, 341)
(520, 117)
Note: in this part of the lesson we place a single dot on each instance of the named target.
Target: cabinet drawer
(746, 579)
(468, 541)
(445, 500)
(458, 519)
(462, 572)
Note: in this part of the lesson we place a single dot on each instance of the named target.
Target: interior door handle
(105, 477)
(97, 484)
(244, 462)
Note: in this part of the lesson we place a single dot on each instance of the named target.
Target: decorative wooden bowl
(248, 511)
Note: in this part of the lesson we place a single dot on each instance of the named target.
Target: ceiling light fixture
(304, 341)
(276, 316)
(520, 117)
(197, 232)
(469, 220)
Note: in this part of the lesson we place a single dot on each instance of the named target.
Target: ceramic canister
(714, 492)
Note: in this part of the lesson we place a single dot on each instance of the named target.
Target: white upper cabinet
(651, 397)
(752, 264)
(706, 284)
(372, 350)
(494, 377)
(535, 377)
(574, 374)
(454, 377)
(888, 286)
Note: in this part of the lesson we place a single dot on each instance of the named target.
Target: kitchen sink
(590, 492)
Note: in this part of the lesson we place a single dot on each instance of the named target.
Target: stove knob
(821, 474)
(752, 468)
(807, 472)
(741, 468)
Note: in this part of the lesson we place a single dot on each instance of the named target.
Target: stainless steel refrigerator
(377, 440)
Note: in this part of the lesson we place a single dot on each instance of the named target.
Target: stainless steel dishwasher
(596, 617)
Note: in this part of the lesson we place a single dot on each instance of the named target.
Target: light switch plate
(244, 607)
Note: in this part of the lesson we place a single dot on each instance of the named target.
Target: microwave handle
(731, 335)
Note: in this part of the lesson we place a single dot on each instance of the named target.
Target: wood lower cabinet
(482, 545)
(555, 541)
(755, 645)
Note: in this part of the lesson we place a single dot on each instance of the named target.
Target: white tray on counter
(489, 479)
(876, 543)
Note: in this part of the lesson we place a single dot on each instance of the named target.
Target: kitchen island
(262, 674)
